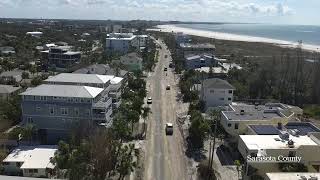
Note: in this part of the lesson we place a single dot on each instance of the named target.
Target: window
(64, 111)
(236, 126)
(38, 108)
(230, 91)
(76, 111)
(51, 110)
(253, 154)
(229, 125)
(29, 120)
(33, 170)
(88, 112)
(229, 99)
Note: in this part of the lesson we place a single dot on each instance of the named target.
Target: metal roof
(217, 84)
(63, 91)
(102, 69)
(33, 157)
(79, 78)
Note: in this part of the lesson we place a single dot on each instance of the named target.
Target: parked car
(171, 65)
(149, 101)
(165, 56)
(169, 128)
(165, 69)
(168, 87)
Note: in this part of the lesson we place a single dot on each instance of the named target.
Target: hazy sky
(262, 11)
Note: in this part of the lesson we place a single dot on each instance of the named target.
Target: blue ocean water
(307, 33)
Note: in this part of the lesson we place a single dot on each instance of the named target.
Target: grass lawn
(312, 111)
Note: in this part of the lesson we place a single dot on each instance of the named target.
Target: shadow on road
(197, 154)
(225, 156)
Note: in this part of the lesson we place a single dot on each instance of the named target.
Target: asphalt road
(165, 158)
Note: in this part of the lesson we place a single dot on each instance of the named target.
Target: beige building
(236, 119)
(263, 153)
(293, 176)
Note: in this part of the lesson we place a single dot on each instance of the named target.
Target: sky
(304, 12)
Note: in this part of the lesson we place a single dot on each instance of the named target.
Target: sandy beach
(234, 37)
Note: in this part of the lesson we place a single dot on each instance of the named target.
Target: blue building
(200, 60)
(55, 109)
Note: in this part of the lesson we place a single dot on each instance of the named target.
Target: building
(102, 69)
(112, 84)
(200, 60)
(15, 75)
(61, 57)
(35, 34)
(7, 51)
(6, 91)
(238, 116)
(180, 37)
(292, 176)
(216, 92)
(142, 41)
(116, 28)
(190, 48)
(287, 147)
(120, 42)
(131, 61)
(55, 109)
(30, 161)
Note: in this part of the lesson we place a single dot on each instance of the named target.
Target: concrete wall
(216, 97)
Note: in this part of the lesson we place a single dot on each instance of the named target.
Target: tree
(125, 164)
(198, 130)
(120, 127)
(238, 164)
(25, 75)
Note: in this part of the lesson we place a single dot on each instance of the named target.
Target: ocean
(308, 34)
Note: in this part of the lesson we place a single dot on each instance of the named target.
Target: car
(168, 87)
(149, 101)
(171, 65)
(165, 69)
(165, 56)
(169, 128)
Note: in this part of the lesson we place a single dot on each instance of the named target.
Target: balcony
(103, 103)
(115, 105)
(114, 94)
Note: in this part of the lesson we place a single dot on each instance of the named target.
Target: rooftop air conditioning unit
(242, 112)
(290, 144)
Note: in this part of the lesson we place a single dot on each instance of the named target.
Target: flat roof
(72, 53)
(199, 45)
(80, 78)
(264, 129)
(252, 112)
(63, 91)
(33, 157)
(291, 175)
(303, 128)
(217, 83)
(257, 142)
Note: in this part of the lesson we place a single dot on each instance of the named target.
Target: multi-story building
(182, 38)
(113, 85)
(237, 117)
(61, 57)
(265, 153)
(131, 61)
(142, 41)
(120, 42)
(55, 109)
(216, 92)
(193, 61)
(30, 161)
(102, 69)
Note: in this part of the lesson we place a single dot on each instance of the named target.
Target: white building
(292, 176)
(35, 34)
(276, 149)
(30, 161)
(216, 92)
(142, 41)
(120, 42)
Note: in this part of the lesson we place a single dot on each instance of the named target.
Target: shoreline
(235, 37)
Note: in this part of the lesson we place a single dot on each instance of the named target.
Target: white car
(169, 128)
(149, 101)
